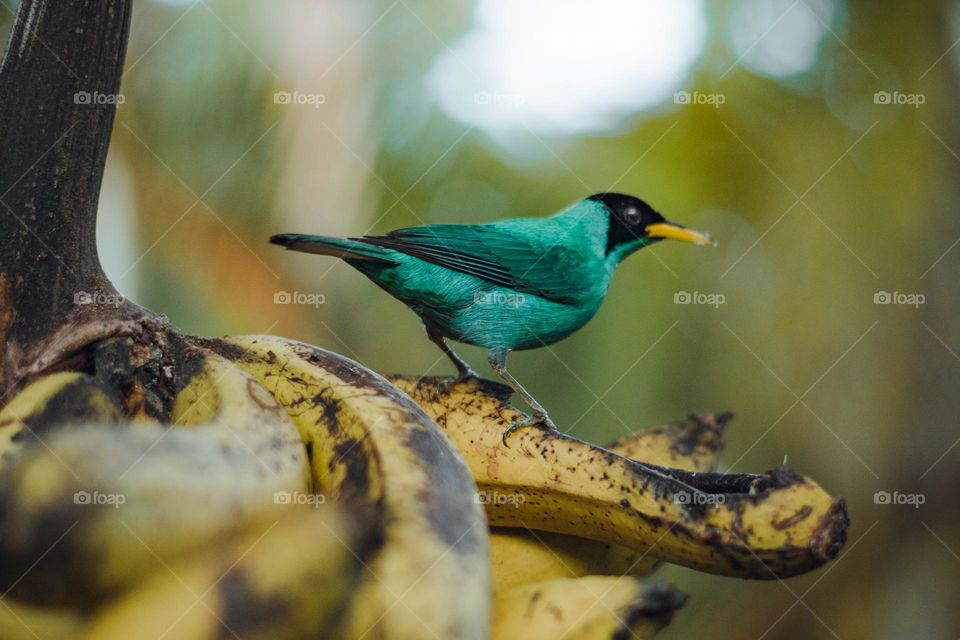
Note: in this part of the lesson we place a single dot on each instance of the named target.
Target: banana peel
(523, 556)
(376, 451)
(91, 508)
(587, 608)
(289, 576)
(694, 444)
(765, 526)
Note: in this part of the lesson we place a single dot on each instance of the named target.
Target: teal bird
(508, 285)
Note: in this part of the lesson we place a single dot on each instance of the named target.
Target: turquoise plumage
(508, 285)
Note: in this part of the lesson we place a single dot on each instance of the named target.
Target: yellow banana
(288, 577)
(376, 452)
(588, 608)
(95, 507)
(46, 403)
(767, 525)
(523, 556)
(693, 444)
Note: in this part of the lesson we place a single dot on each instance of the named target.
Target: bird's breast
(502, 318)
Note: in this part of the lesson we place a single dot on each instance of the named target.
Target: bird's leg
(498, 360)
(463, 369)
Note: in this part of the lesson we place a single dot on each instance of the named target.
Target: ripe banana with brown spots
(693, 444)
(523, 556)
(587, 608)
(375, 451)
(288, 576)
(89, 509)
(769, 525)
(46, 403)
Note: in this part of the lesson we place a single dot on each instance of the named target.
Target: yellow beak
(676, 232)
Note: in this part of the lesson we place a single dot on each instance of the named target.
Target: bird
(508, 285)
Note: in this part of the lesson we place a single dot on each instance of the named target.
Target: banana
(770, 525)
(289, 577)
(523, 556)
(92, 509)
(693, 444)
(588, 608)
(46, 403)
(377, 453)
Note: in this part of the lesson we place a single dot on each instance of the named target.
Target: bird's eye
(632, 216)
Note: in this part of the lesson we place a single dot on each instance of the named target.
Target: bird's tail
(338, 247)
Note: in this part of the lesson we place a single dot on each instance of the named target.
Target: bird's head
(634, 224)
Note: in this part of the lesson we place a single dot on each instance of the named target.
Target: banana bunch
(261, 487)
(283, 491)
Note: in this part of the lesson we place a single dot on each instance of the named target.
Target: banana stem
(59, 82)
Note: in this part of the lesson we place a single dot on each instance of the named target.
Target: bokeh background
(817, 140)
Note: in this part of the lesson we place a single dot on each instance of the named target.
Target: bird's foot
(540, 420)
(449, 383)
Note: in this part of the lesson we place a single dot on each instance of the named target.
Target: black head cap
(629, 217)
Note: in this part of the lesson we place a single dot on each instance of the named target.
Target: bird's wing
(506, 257)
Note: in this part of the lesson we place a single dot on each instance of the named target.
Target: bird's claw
(446, 385)
(542, 422)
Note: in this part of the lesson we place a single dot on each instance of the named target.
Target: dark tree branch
(58, 81)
